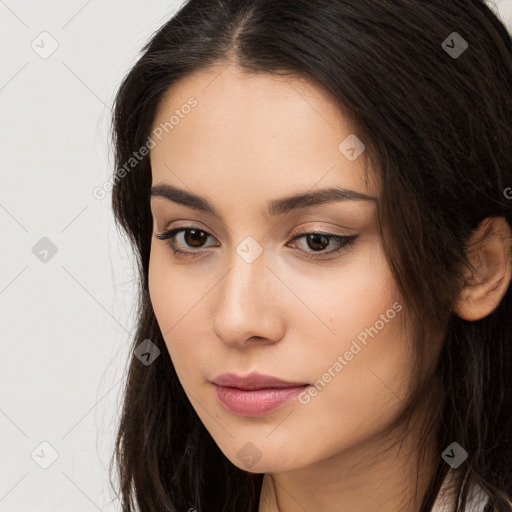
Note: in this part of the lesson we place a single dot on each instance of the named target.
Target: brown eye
(195, 237)
(192, 238)
(317, 242)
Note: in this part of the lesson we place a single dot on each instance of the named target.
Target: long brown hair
(437, 129)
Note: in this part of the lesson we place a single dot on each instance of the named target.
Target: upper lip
(253, 380)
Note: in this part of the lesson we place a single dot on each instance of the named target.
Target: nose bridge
(248, 275)
(244, 306)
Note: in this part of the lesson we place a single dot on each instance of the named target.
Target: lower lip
(256, 402)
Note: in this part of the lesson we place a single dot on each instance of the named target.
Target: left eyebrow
(274, 207)
(318, 197)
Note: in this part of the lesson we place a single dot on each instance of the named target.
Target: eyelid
(321, 231)
(184, 224)
(345, 243)
(168, 234)
(294, 234)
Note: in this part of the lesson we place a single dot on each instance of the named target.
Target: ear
(489, 252)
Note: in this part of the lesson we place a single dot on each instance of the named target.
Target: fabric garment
(477, 498)
(444, 502)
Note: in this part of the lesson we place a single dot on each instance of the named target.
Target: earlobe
(490, 256)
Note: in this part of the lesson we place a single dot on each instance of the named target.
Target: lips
(254, 394)
(254, 381)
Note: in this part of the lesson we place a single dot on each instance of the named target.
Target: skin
(251, 139)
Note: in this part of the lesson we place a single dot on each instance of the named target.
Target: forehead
(225, 125)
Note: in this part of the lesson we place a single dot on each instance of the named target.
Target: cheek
(178, 302)
(361, 365)
(168, 297)
(158, 285)
(172, 293)
(345, 301)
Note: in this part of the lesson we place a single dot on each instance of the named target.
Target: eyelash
(345, 241)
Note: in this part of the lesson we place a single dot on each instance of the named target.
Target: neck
(366, 477)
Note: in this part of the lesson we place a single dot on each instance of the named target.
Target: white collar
(477, 497)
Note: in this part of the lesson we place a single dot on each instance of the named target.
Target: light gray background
(66, 323)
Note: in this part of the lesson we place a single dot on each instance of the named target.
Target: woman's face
(251, 292)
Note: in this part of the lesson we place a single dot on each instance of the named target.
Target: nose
(249, 306)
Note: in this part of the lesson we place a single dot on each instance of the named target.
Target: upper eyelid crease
(274, 207)
(346, 241)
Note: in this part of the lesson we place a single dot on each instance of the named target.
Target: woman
(319, 198)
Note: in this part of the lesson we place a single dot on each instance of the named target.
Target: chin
(252, 460)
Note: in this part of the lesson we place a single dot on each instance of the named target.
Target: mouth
(254, 381)
(256, 394)
(256, 402)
